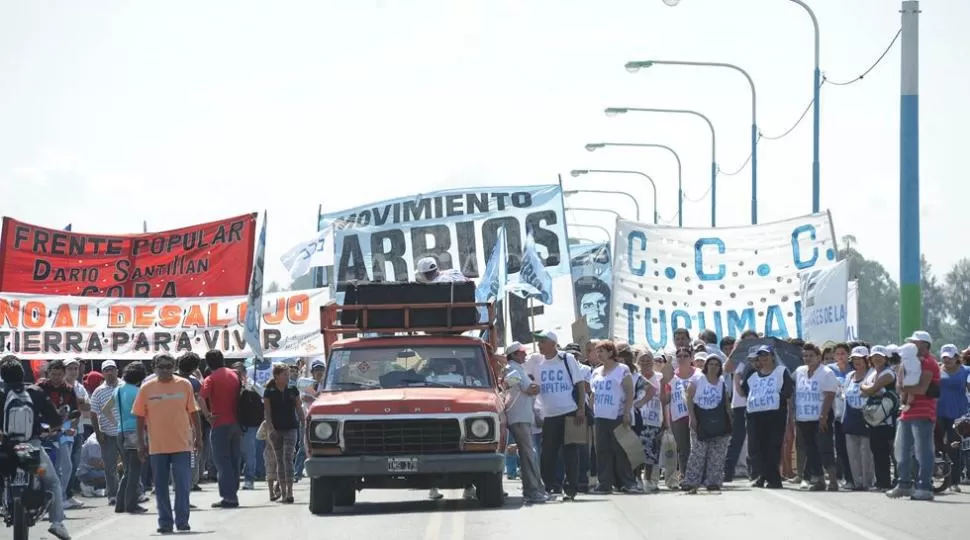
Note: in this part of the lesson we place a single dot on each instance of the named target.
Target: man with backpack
(25, 408)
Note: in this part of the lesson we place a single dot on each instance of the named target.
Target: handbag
(713, 423)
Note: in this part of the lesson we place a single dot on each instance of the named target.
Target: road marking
(863, 533)
(458, 525)
(433, 529)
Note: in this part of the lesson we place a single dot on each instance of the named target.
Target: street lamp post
(613, 111)
(576, 173)
(597, 227)
(633, 67)
(606, 192)
(680, 176)
(816, 97)
(589, 209)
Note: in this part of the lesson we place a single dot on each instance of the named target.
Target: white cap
(880, 350)
(920, 335)
(317, 363)
(859, 352)
(701, 356)
(546, 334)
(108, 364)
(949, 351)
(513, 348)
(427, 264)
(892, 348)
(71, 362)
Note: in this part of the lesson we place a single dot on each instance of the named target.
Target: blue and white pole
(910, 295)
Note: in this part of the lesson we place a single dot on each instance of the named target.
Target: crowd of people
(850, 417)
(187, 422)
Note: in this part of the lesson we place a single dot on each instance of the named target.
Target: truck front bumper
(428, 464)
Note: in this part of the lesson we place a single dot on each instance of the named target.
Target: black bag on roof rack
(411, 294)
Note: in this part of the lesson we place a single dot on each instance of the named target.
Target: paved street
(407, 515)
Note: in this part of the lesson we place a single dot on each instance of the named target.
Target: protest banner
(48, 327)
(592, 273)
(852, 312)
(728, 280)
(206, 260)
(824, 294)
(383, 241)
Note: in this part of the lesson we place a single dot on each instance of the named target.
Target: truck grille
(390, 437)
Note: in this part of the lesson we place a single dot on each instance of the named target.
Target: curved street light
(634, 67)
(609, 237)
(606, 192)
(680, 172)
(588, 209)
(614, 111)
(576, 173)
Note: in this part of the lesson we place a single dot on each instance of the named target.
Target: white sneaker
(469, 494)
(60, 531)
(434, 495)
(247, 485)
(88, 490)
(72, 503)
(99, 493)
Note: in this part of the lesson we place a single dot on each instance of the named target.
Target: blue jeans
(51, 483)
(249, 456)
(65, 465)
(300, 458)
(227, 456)
(511, 460)
(178, 465)
(914, 441)
(738, 433)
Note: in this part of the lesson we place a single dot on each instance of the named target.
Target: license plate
(20, 479)
(402, 465)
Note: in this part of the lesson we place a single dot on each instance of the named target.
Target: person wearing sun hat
(561, 399)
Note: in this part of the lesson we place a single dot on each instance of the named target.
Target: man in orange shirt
(166, 407)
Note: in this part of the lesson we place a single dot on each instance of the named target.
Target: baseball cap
(764, 349)
(920, 335)
(71, 362)
(427, 264)
(701, 356)
(547, 335)
(752, 352)
(859, 352)
(880, 350)
(949, 351)
(108, 364)
(513, 348)
(317, 364)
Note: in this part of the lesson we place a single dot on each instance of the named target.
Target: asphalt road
(408, 515)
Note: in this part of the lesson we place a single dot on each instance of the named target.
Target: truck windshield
(393, 367)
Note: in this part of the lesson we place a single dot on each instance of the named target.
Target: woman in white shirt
(612, 406)
(651, 417)
(710, 428)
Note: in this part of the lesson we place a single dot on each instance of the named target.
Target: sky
(180, 112)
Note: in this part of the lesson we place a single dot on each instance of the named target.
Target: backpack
(250, 409)
(18, 415)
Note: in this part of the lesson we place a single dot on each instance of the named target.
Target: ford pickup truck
(405, 408)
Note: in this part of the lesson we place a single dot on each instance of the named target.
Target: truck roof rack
(374, 318)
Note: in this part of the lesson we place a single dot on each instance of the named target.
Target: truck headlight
(480, 429)
(324, 431)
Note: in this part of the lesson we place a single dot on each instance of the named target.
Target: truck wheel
(321, 496)
(491, 493)
(345, 496)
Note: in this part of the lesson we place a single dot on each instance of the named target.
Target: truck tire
(345, 495)
(491, 493)
(321, 496)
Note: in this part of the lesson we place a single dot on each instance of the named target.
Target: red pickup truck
(408, 408)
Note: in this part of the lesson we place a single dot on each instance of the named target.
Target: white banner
(823, 295)
(383, 241)
(729, 280)
(316, 252)
(852, 312)
(49, 327)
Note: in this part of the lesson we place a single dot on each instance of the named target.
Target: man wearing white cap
(519, 407)
(427, 271)
(562, 395)
(105, 423)
(914, 434)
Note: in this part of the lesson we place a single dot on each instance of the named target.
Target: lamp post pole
(636, 204)
(579, 172)
(680, 176)
(613, 111)
(633, 67)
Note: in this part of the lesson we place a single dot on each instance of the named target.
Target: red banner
(211, 259)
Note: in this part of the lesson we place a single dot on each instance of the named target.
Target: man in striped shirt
(105, 423)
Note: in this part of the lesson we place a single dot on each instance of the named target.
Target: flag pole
(532, 321)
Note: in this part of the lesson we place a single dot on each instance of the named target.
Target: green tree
(956, 289)
(878, 296)
(934, 301)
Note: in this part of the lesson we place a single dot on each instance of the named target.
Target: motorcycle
(24, 500)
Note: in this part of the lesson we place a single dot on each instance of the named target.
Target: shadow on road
(419, 507)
